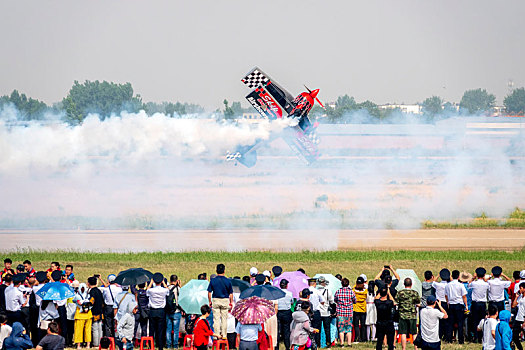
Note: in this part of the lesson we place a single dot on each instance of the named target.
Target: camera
(386, 266)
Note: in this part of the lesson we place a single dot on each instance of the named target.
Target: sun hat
(75, 284)
(465, 276)
(253, 271)
(322, 279)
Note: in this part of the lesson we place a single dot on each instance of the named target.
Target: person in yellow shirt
(83, 317)
(360, 310)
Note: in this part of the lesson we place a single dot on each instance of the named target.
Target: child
(5, 329)
(53, 340)
(105, 343)
(126, 327)
(371, 312)
(488, 327)
(202, 331)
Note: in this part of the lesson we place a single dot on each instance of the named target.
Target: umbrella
(253, 310)
(238, 285)
(55, 291)
(132, 277)
(298, 282)
(404, 273)
(333, 283)
(193, 295)
(266, 292)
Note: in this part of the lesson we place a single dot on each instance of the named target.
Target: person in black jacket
(96, 310)
(384, 303)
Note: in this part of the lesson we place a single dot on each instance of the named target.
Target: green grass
(350, 264)
(515, 220)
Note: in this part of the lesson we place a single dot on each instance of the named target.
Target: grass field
(348, 263)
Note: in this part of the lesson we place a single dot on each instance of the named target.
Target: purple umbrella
(253, 310)
(297, 282)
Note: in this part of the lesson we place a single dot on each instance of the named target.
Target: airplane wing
(302, 143)
(268, 98)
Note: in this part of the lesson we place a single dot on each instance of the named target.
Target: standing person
(371, 311)
(173, 314)
(430, 317)
(427, 288)
(326, 318)
(317, 300)
(220, 298)
(248, 335)
(503, 332)
(439, 287)
(7, 281)
(456, 295)
(478, 308)
(515, 279)
(202, 330)
(284, 315)
(359, 316)
(470, 328)
(120, 308)
(53, 340)
(109, 292)
(408, 300)
(5, 329)
(15, 300)
(97, 299)
(384, 277)
(385, 323)
(126, 326)
(519, 302)
(56, 276)
(497, 288)
(300, 327)
(157, 302)
(487, 327)
(71, 308)
(83, 320)
(18, 340)
(345, 300)
(142, 316)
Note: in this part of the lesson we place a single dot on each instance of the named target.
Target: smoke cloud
(156, 172)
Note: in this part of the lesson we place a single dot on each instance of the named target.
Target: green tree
(343, 106)
(237, 109)
(228, 111)
(104, 98)
(432, 106)
(371, 108)
(29, 108)
(477, 101)
(515, 102)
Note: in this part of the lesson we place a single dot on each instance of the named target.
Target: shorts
(407, 326)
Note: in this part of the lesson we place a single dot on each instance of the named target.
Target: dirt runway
(275, 240)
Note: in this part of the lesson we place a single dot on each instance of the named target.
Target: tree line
(107, 98)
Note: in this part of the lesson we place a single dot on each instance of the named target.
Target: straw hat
(465, 276)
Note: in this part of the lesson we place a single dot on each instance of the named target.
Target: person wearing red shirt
(202, 331)
(516, 278)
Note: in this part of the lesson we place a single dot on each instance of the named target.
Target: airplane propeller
(315, 96)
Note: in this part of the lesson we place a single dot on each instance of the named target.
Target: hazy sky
(197, 51)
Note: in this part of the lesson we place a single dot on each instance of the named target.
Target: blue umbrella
(264, 291)
(193, 295)
(55, 291)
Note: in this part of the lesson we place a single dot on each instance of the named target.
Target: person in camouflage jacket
(407, 300)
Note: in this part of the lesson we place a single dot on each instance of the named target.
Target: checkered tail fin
(255, 78)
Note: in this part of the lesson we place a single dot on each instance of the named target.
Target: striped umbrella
(253, 310)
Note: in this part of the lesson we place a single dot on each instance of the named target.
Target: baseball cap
(522, 274)
(360, 280)
(111, 278)
(306, 292)
(254, 271)
(267, 273)
(363, 276)
(431, 299)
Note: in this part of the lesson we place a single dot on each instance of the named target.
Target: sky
(197, 51)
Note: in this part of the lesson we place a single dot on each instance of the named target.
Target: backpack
(171, 301)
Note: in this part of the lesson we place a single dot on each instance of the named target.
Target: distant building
(413, 109)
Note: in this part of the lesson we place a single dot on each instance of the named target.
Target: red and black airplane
(273, 102)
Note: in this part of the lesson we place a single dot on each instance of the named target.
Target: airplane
(273, 102)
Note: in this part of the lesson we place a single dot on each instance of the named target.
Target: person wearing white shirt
(109, 293)
(497, 288)
(478, 307)
(519, 302)
(456, 296)
(429, 319)
(284, 314)
(326, 319)
(522, 279)
(15, 300)
(157, 301)
(439, 288)
(316, 299)
(488, 328)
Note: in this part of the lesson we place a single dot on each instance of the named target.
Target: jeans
(327, 321)
(96, 332)
(456, 314)
(157, 326)
(284, 319)
(359, 326)
(122, 346)
(385, 329)
(172, 324)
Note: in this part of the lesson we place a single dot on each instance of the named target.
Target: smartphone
(97, 275)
